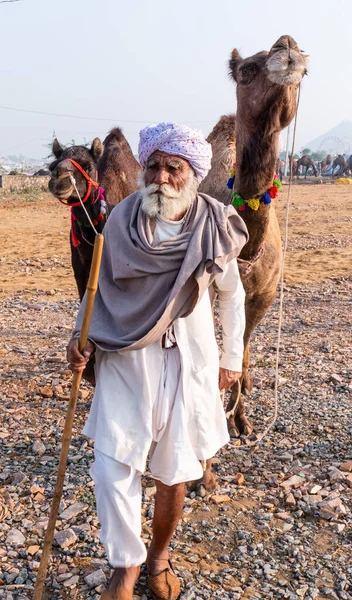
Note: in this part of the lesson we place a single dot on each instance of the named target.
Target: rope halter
(90, 183)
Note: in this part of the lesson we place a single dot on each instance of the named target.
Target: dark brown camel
(340, 162)
(266, 103)
(115, 168)
(306, 163)
(326, 163)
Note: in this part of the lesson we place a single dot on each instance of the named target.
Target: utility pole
(287, 170)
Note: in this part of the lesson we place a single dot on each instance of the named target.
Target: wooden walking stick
(67, 434)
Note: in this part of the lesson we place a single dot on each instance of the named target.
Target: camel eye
(249, 70)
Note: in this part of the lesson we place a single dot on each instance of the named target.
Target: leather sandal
(165, 585)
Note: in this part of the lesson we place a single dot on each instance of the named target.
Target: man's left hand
(227, 378)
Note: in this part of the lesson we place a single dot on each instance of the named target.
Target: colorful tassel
(273, 191)
(74, 238)
(253, 203)
(230, 182)
(266, 198)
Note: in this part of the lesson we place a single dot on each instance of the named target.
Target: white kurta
(130, 389)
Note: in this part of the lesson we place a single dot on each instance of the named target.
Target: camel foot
(232, 428)
(243, 425)
(207, 484)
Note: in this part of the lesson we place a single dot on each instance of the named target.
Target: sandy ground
(261, 539)
(36, 256)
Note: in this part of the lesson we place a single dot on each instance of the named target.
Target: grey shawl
(143, 289)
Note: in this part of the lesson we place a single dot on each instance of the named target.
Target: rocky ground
(279, 524)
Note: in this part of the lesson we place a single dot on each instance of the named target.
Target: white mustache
(168, 203)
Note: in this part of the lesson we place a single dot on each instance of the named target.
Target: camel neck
(256, 156)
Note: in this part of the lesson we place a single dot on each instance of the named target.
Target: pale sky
(138, 62)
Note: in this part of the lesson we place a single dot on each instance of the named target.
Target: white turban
(180, 140)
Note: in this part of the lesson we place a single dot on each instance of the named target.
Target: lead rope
(73, 181)
(253, 445)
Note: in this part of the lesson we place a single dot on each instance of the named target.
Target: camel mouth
(60, 192)
(287, 66)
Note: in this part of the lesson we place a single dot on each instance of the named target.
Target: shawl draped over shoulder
(143, 288)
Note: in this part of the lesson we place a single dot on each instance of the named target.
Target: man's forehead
(160, 156)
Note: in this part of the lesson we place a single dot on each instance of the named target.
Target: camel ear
(57, 149)
(96, 149)
(234, 61)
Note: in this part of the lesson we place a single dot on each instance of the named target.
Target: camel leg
(206, 483)
(256, 308)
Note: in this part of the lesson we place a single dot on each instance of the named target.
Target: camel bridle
(90, 184)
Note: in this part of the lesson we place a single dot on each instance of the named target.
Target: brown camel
(326, 163)
(292, 165)
(306, 163)
(340, 162)
(115, 168)
(266, 103)
(348, 169)
(280, 168)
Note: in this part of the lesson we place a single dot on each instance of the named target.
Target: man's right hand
(77, 360)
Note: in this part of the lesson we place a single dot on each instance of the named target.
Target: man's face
(168, 185)
(167, 168)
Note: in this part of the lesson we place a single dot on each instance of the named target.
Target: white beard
(170, 203)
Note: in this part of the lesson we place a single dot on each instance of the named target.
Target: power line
(22, 144)
(50, 114)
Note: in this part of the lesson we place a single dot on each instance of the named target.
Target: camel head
(267, 84)
(60, 170)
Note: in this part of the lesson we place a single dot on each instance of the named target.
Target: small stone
(220, 498)
(314, 489)
(35, 489)
(96, 578)
(150, 491)
(19, 478)
(336, 474)
(47, 392)
(326, 514)
(72, 581)
(339, 527)
(330, 503)
(290, 500)
(348, 480)
(65, 538)
(73, 511)
(15, 538)
(239, 479)
(33, 550)
(335, 378)
(38, 448)
(346, 466)
(294, 481)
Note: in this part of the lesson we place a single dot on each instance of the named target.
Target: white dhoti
(171, 460)
(165, 403)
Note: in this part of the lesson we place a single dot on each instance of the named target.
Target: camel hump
(115, 136)
(224, 128)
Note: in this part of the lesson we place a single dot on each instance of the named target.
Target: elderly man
(157, 360)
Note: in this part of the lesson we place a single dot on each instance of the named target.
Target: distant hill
(337, 140)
